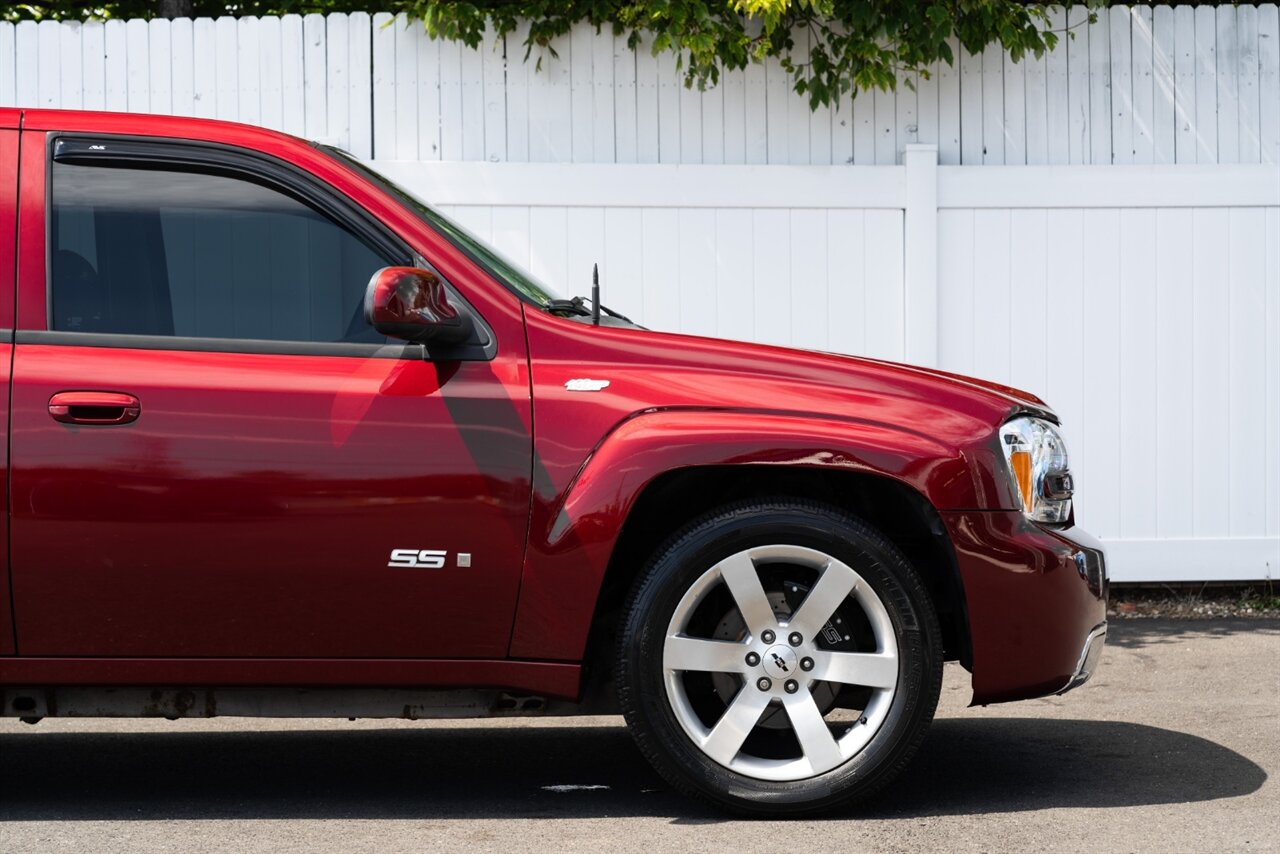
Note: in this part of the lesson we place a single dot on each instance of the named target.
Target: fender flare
(572, 540)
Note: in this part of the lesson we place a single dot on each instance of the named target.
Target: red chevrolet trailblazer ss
(284, 440)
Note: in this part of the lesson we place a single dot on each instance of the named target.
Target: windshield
(520, 281)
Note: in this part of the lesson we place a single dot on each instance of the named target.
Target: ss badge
(417, 558)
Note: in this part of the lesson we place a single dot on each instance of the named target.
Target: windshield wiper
(577, 306)
(580, 307)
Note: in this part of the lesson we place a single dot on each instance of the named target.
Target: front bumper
(1036, 600)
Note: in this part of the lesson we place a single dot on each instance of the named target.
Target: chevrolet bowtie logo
(780, 662)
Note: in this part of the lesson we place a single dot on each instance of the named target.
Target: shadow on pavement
(967, 766)
(1139, 632)
(1015, 764)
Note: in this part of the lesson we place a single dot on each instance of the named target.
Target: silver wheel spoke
(872, 669)
(712, 656)
(739, 573)
(727, 736)
(815, 739)
(836, 582)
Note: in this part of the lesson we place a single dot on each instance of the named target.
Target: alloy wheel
(794, 690)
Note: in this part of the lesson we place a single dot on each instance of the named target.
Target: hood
(649, 370)
(865, 379)
(1017, 397)
(767, 354)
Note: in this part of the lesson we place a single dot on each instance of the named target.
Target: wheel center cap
(781, 662)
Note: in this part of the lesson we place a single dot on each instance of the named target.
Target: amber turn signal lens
(1020, 461)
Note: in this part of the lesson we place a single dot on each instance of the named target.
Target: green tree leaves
(848, 44)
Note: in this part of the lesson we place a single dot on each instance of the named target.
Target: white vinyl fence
(1134, 282)
(1141, 85)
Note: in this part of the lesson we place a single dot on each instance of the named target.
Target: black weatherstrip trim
(222, 345)
(154, 152)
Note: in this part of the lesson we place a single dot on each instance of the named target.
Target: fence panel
(809, 257)
(1143, 305)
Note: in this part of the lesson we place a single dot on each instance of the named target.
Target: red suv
(284, 440)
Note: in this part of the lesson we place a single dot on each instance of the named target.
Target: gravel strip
(1193, 603)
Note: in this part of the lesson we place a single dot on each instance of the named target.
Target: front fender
(572, 538)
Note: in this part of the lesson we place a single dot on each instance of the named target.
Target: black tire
(674, 567)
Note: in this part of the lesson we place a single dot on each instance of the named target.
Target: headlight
(1037, 459)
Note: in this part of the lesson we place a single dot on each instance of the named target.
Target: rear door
(8, 223)
(215, 456)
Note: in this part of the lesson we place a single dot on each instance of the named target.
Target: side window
(145, 251)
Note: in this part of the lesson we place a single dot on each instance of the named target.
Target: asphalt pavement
(1173, 747)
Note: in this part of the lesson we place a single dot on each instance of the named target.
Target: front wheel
(779, 658)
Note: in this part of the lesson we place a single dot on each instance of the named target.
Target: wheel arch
(676, 497)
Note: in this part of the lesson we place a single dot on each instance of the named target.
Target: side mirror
(409, 303)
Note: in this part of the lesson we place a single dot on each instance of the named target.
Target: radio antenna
(595, 294)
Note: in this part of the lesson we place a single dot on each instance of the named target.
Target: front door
(8, 223)
(213, 454)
